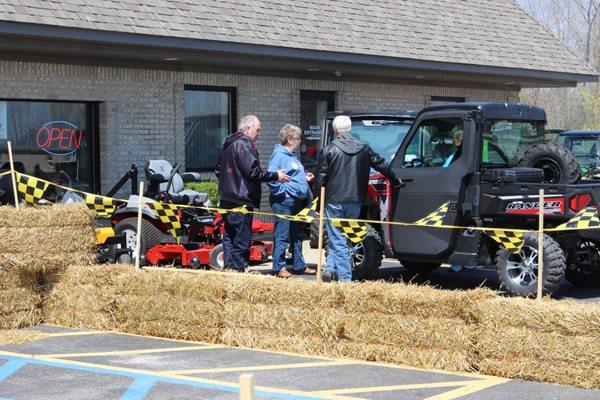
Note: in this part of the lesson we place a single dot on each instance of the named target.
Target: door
(313, 107)
(434, 163)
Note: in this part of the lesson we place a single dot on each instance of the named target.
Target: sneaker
(328, 275)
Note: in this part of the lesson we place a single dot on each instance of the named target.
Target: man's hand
(310, 176)
(282, 176)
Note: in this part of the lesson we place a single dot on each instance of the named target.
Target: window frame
(233, 118)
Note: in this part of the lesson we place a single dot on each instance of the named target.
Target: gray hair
(342, 124)
(289, 131)
(247, 122)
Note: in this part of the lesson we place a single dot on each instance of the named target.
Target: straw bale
(14, 336)
(563, 317)
(416, 332)
(20, 319)
(321, 323)
(405, 299)
(58, 215)
(18, 299)
(44, 240)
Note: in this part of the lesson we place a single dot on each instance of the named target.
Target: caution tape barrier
(32, 190)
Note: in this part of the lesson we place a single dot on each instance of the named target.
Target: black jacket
(344, 169)
(239, 172)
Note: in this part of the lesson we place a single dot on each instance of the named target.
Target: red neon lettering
(41, 132)
(64, 135)
(54, 136)
(76, 138)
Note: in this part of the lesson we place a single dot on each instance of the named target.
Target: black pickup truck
(489, 161)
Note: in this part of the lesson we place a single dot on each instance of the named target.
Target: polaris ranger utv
(492, 179)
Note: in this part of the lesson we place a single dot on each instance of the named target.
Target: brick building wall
(141, 111)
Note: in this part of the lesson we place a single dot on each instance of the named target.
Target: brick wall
(141, 111)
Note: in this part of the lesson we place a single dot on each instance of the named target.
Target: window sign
(3, 121)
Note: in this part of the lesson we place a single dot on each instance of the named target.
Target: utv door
(435, 162)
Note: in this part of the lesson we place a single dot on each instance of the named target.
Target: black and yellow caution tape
(511, 241)
(353, 230)
(436, 218)
(584, 219)
(168, 215)
(31, 189)
(307, 215)
(103, 206)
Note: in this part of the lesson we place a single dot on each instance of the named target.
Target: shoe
(328, 275)
(310, 271)
(284, 273)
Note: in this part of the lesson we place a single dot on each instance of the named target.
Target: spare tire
(557, 162)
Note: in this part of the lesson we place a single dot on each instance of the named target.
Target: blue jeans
(287, 233)
(338, 258)
(236, 240)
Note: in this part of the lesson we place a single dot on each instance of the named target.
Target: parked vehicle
(486, 185)
(585, 146)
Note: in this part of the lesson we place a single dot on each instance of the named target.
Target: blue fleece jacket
(282, 159)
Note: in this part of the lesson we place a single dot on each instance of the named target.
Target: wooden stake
(246, 387)
(540, 246)
(321, 220)
(138, 238)
(13, 174)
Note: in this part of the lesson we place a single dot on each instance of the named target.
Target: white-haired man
(240, 177)
(344, 169)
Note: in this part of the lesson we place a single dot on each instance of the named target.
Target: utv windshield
(504, 142)
(383, 135)
(584, 148)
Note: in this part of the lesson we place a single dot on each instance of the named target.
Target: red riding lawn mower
(199, 242)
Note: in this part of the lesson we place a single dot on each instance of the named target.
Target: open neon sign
(59, 138)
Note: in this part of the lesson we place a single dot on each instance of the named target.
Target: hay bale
(44, 240)
(541, 356)
(13, 336)
(55, 216)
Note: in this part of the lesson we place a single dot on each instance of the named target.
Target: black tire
(366, 255)
(216, 257)
(583, 264)
(518, 276)
(419, 267)
(314, 234)
(150, 235)
(558, 163)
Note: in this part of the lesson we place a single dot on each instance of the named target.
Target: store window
(209, 118)
(313, 108)
(55, 141)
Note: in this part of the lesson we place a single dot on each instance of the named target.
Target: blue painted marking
(12, 366)
(139, 389)
(146, 378)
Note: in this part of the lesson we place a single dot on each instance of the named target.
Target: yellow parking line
(78, 333)
(472, 387)
(130, 352)
(259, 367)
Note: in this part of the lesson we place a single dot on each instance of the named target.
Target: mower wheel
(128, 228)
(217, 257)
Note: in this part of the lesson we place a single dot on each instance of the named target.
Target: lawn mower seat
(158, 173)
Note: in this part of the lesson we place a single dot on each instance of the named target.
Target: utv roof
(404, 114)
(510, 111)
(579, 133)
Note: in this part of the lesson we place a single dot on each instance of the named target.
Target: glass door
(314, 105)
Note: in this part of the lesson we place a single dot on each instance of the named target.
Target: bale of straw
(541, 356)
(563, 317)
(44, 240)
(58, 215)
(14, 336)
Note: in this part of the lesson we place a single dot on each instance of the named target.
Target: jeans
(236, 240)
(287, 233)
(338, 258)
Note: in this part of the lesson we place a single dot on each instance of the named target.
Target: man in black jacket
(240, 177)
(344, 169)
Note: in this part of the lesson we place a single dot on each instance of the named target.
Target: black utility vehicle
(585, 146)
(492, 179)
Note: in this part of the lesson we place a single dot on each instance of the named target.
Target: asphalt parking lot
(73, 364)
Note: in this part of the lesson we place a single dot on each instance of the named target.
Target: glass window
(585, 148)
(313, 107)
(436, 143)
(209, 118)
(51, 140)
(504, 142)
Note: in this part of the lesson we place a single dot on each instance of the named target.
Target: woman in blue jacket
(288, 198)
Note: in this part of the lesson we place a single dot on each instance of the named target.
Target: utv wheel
(557, 162)
(583, 264)
(517, 272)
(314, 234)
(419, 267)
(366, 256)
(217, 257)
(128, 228)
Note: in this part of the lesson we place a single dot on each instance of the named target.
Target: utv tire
(366, 255)
(419, 267)
(557, 162)
(217, 260)
(517, 272)
(314, 234)
(584, 264)
(150, 235)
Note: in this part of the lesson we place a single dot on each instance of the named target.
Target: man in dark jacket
(344, 169)
(240, 177)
